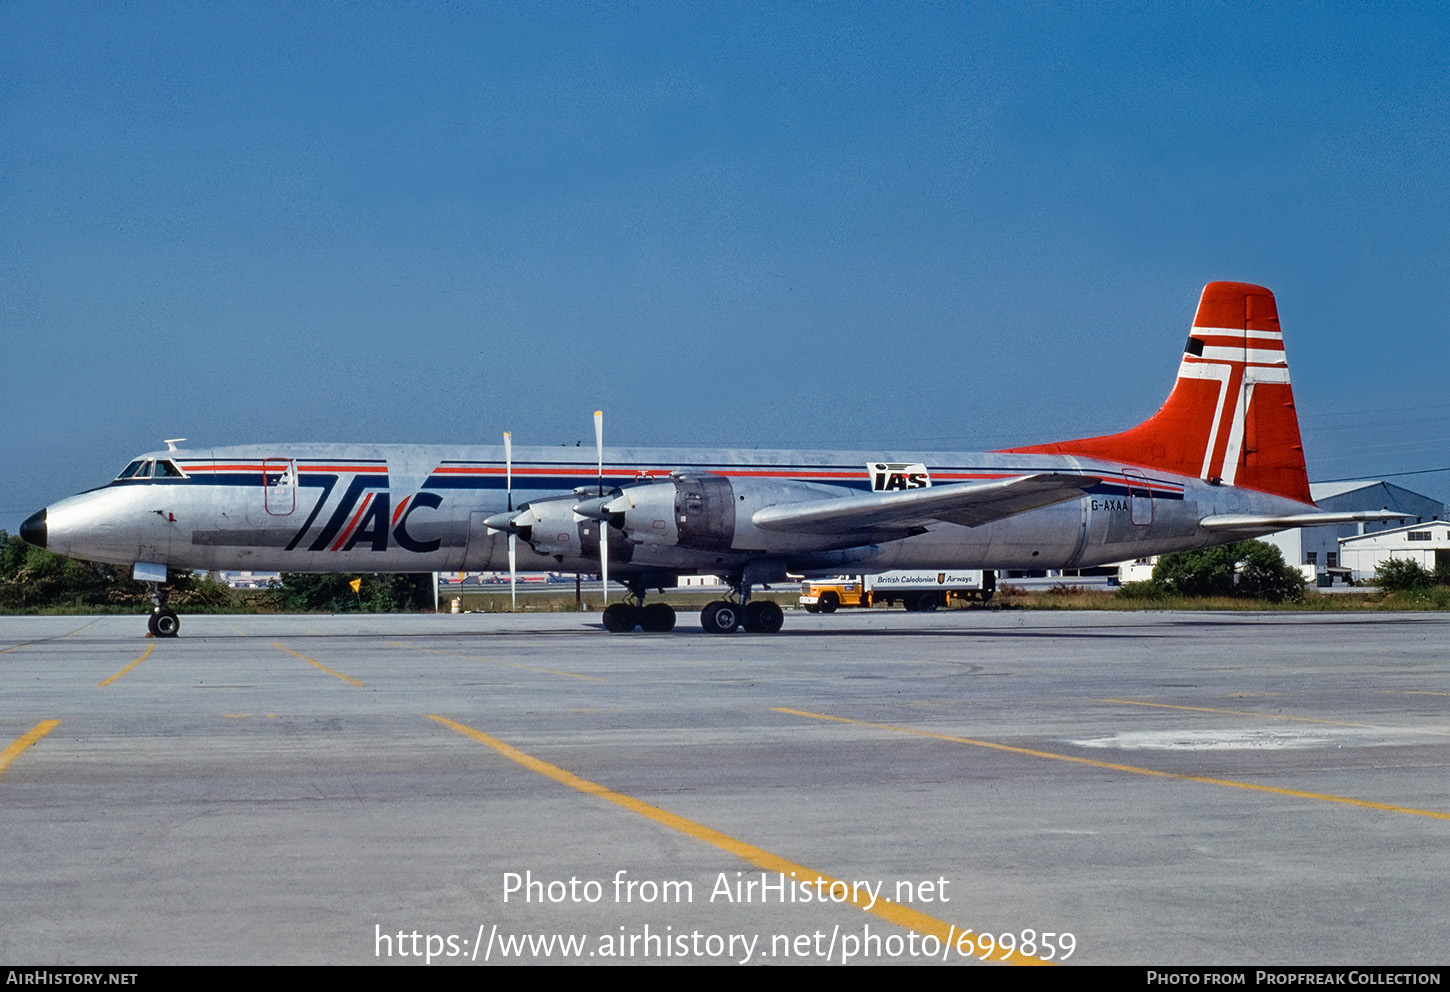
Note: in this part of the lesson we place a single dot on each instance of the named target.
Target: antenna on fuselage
(172, 442)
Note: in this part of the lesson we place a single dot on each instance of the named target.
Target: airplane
(1221, 460)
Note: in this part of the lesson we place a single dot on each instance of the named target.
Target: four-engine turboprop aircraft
(1221, 460)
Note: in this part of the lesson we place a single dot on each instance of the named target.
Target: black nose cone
(33, 530)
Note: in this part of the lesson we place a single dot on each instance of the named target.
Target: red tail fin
(1231, 414)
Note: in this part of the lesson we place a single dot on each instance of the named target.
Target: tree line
(33, 579)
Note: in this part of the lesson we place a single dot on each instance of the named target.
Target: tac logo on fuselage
(362, 517)
(892, 476)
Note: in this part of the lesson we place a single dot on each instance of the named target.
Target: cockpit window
(151, 468)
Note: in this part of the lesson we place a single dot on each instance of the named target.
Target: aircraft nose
(32, 531)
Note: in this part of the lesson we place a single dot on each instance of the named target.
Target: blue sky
(922, 225)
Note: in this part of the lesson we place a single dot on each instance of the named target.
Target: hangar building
(1426, 543)
(1320, 546)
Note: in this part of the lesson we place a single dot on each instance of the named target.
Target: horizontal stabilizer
(968, 503)
(1231, 522)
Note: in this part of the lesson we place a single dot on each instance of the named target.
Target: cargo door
(279, 486)
(1140, 498)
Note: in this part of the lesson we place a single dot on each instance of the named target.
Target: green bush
(301, 592)
(1206, 572)
(32, 579)
(1402, 575)
(1244, 569)
(1140, 591)
(1264, 574)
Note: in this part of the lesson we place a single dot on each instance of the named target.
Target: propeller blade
(508, 482)
(508, 467)
(513, 572)
(603, 526)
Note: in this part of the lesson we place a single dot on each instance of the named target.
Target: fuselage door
(1140, 498)
(279, 486)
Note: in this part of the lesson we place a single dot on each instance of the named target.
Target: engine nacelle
(708, 512)
(549, 525)
(554, 526)
(690, 511)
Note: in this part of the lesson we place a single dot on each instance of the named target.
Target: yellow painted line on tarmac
(495, 661)
(896, 913)
(1209, 709)
(144, 655)
(26, 739)
(313, 661)
(1133, 769)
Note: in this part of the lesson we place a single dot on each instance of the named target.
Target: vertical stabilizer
(1230, 417)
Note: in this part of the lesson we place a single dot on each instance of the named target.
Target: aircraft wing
(1229, 522)
(967, 503)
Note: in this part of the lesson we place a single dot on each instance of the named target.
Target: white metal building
(1426, 543)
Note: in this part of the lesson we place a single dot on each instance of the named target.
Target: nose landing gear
(163, 621)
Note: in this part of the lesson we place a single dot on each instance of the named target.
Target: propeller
(508, 461)
(603, 525)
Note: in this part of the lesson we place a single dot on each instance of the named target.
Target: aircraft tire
(720, 617)
(829, 602)
(657, 618)
(620, 618)
(163, 623)
(763, 617)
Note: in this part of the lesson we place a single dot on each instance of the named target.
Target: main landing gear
(761, 616)
(656, 618)
(622, 618)
(163, 621)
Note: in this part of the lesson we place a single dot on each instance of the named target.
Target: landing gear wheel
(829, 602)
(163, 623)
(657, 618)
(763, 617)
(720, 617)
(620, 618)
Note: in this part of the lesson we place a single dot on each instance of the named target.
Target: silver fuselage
(406, 508)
